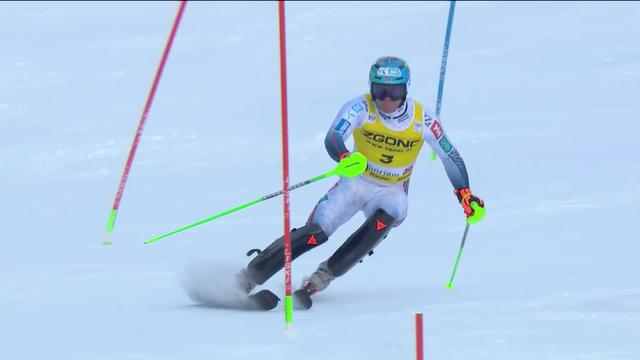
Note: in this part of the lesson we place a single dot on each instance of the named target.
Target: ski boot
(262, 300)
(318, 281)
(360, 244)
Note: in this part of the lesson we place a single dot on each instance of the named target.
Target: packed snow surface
(541, 99)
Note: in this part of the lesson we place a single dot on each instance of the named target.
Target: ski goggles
(394, 92)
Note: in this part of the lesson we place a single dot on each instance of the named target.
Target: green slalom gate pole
(479, 213)
(351, 166)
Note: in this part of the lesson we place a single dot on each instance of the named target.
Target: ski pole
(455, 266)
(351, 166)
(443, 65)
(479, 213)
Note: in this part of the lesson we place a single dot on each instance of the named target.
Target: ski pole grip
(350, 166)
(478, 213)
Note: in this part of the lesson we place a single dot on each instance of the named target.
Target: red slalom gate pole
(419, 337)
(285, 165)
(143, 118)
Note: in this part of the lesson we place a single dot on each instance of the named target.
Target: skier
(389, 129)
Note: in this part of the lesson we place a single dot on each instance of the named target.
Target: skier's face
(388, 96)
(387, 105)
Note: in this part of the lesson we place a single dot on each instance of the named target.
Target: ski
(303, 299)
(264, 300)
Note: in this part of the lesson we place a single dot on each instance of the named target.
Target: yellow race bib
(390, 153)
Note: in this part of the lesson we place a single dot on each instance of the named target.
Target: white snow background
(542, 100)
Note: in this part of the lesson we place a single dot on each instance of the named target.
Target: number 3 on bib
(386, 159)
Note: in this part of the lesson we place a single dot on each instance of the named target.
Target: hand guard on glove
(473, 212)
(345, 154)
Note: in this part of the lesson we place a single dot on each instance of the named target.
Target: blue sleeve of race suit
(334, 142)
(350, 116)
(453, 164)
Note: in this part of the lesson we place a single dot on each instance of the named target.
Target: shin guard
(271, 259)
(360, 243)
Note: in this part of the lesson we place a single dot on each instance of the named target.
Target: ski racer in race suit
(389, 129)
